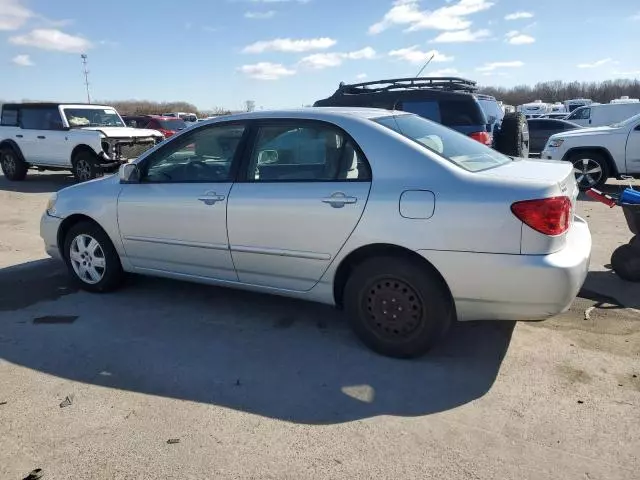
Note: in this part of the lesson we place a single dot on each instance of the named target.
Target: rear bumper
(516, 287)
(49, 233)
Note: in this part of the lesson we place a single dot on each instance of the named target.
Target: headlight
(555, 142)
(51, 204)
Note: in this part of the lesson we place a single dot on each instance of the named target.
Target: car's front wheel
(91, 258)
(85, 166)
(591, 169)
(396, 307)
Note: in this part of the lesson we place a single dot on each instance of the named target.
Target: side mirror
(129, 173)
(268, 156)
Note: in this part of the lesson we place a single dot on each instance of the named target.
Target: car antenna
(419, 72)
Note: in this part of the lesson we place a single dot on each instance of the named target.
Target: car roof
(313, 113)
(53, 105)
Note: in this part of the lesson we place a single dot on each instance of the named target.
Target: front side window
(459, 149)
(204, 155)
(45, 118)
(581, 114)
(305, 153)
(93, 117)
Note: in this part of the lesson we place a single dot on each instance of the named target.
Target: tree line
(558, 91)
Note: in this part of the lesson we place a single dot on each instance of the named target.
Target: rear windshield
(455, 147)
(452, 113)
(173, 124)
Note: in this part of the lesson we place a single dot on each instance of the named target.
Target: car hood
(582, 132)
(119, 132)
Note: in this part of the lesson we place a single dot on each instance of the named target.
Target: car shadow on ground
(271, 356)
(38, 182)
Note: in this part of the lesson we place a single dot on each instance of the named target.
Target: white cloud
(518, 16)
(490, 67)
(596, 64)
(13, 15)
(260, 15)
(280, 1)
(636, 17)
(444, 72)
(462, 36)
(416, 56)
(23, 60)
(319, 61)
(51, 39)
(266, 71)
(449, 17)
(290, 45)
(517, 38)
(361, 76)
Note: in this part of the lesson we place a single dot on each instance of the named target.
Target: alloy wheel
(394, 309)
(9, 164)
(588, 172)
(83, 170)
(87, 259)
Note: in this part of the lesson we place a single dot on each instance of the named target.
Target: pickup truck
(88, 140)
(598, 153)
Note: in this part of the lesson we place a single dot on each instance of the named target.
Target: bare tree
(249, 105)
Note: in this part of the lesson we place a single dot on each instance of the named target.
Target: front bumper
(49, 227)
(551, 154)
(516, 287)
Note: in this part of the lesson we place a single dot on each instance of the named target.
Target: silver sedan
(405, 224)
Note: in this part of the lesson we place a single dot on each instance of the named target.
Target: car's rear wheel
(92, 259)
(397, 308)
(625, 261)
(86, 167)
(591, 169)
(13, 166)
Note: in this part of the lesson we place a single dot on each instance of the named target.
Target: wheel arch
(358, 256)
(613, 169)
(69, 222)
(13, 145)
(80, 149)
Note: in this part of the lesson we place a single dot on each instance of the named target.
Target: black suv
(451, 101)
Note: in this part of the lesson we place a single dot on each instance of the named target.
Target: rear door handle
(42, 137)
(19, 136)
(339, 200)
(210, 198)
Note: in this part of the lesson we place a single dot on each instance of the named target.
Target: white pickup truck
(88, 140)
(598, 153)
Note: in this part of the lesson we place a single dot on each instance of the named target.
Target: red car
(165, 125)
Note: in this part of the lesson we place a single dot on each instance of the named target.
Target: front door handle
(210, 198)
(339, 200)
(19, 136)
(41, 137)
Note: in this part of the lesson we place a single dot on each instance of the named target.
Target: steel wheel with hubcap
(91, 257)
(398, 307)
(590, 170)
(13, 167)
(87, 259)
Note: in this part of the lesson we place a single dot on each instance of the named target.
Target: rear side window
(9, 117)
(461, 113)
(429, 110)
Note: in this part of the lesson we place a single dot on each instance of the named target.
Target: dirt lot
(179, 381)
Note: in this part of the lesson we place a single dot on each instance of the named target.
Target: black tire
(513, 137)
(85, 166)
(13, 165)
(635, 242)
(111, 275)
(587, 161)
(419, 306)
(625, 261)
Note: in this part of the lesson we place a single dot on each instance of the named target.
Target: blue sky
(286, 53)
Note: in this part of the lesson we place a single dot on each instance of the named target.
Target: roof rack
(449, 84)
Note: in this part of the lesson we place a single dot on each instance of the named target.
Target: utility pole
(86, 75)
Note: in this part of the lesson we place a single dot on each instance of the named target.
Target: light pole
(86, 75)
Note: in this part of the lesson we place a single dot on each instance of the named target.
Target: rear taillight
(549, 216)
(482, 137)
(166, 133)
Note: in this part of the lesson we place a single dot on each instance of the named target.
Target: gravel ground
(177, 381)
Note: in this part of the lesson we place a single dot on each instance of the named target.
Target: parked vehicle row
(541, 129)
(165, 125)
(85, 139)
(390, 216)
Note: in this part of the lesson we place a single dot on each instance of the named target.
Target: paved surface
(252, 386)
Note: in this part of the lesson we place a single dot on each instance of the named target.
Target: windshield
(626, 122)
(189, 117)
(455, 147)
(93, 117)
(173, 124)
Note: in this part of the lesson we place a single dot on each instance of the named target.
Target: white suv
(599, 153)
(86, 139)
